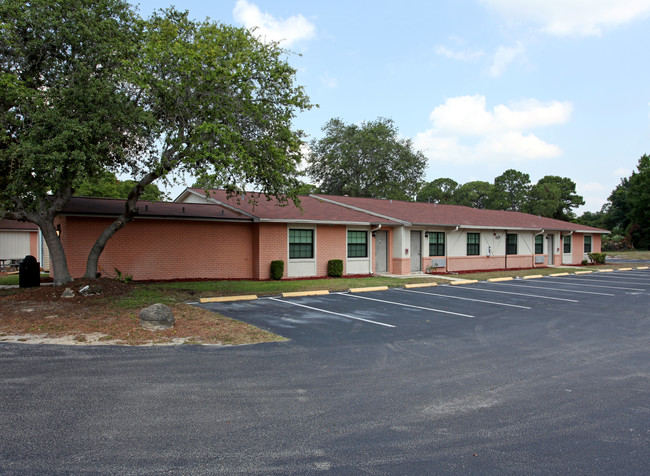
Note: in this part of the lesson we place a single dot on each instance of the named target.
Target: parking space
(399, 313)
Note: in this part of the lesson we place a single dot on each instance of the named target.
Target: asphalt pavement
(534, 377)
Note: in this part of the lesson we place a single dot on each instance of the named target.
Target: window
(539, 244)
(357, 244)
(511, 244)
(587, 244)
(436, 243)
(473, 244)
(567, 244)
(301, 244)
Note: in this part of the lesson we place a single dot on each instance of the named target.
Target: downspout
(537, 234)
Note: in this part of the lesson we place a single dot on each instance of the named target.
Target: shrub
(335, 268)
(598, 258)
(585, 262)
(277, 269)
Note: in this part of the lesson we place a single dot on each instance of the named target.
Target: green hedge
(335, 268)
(277, 269)
(598, 258)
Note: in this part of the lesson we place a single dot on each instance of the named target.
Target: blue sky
(547, 87)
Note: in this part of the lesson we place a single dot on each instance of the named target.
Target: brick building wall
(163, 249)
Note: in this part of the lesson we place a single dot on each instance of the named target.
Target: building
(212, 236)
(19, 239)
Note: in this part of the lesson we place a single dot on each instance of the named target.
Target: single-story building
(19, 239)
(211, 236)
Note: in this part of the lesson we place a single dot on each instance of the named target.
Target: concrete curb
(365, 290)
(247, 297)
(419, 285)
(465, 281)
(456, 282)
(319, 292)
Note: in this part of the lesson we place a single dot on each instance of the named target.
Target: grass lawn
(111, 315)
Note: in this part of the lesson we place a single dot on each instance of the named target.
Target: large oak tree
(89, 86)
(367, 160)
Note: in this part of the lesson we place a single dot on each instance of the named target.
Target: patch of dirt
(102, 287)
(42, 315)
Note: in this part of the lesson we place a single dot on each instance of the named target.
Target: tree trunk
(130, 211)
(57, 254)
(93, 257)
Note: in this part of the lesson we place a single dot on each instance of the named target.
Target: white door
(416, 251)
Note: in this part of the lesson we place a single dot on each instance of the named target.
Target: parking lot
(539, 376)
(398, 313)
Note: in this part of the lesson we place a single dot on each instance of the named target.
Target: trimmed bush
(277, 269)
(598, 258)
(335, 268)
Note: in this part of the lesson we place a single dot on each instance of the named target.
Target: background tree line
(627, 211)
(552, 196)
(371, 160)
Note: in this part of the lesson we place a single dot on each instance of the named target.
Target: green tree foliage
(554, 197)
(639, 201)
(511, 191)
(369, 160)
(106, 185)
(65, 109)
(89, 86)
(476, 194)
(440, 190)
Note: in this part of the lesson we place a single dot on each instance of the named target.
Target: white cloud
(466, 56)
(269, 28)
(572, 17)
(464, 131)
(329, 81)
(504, 56)
(621, 172)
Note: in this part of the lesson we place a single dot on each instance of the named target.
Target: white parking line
(468, 299)
(476, 288)
(408, 305)
(331, 312)
(595, 285)
(556, 289)
(619, 277)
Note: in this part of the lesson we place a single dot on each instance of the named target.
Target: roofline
(218, 202)
(323, 222)
(362, 210)
(155, 217)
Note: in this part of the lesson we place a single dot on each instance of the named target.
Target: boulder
(68, 293)
(157, 317)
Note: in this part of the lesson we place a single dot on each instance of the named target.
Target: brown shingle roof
(455, 215)
(113, 207)
(311, 209)
(17, 225)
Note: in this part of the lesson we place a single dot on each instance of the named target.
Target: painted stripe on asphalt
(595, 285)
(408, 305)
(620, 277)
(468, 299)
(477, 288)
(332, 312)
(557, 289)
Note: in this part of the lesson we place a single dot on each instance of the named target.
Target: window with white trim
(301, 244)
(357, 244)
(587, 244)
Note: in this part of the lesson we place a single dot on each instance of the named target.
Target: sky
(546, 87)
